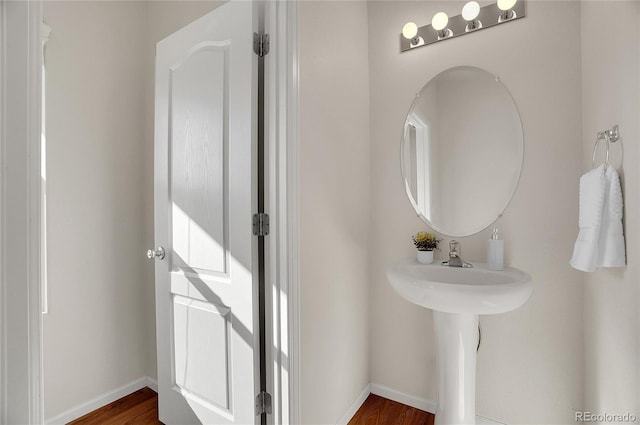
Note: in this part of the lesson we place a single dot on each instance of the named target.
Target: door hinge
(263, 403)
(260, 44)
(261, 224)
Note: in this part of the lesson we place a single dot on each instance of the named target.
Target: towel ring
(609, 136)
(601, 136)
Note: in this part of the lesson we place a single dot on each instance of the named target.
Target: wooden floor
(380, 411)
(139, 408)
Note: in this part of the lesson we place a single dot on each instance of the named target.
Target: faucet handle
(454, 247)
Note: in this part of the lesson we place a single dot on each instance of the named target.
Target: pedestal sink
(457, 296)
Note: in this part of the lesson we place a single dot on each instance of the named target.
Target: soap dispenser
(495, 252)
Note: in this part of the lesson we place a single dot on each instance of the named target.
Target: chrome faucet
(454, 256)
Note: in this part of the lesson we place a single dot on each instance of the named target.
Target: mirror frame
(403, 166)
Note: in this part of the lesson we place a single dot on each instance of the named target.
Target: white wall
(334, 208)
(94, 333)
(611, 95)
(100, 330)
(530, 365)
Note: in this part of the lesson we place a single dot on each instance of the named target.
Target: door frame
(282, 199)
(21, 369)
(20, 308)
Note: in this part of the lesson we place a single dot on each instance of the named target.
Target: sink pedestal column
(456, 342)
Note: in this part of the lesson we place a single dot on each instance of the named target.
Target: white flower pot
(425, 257)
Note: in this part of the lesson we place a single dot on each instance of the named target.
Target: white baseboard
(102, 400)
(419, 403)
(400, 397)
(152, 383)
(481, 420)
(377, 389)
(344, 420)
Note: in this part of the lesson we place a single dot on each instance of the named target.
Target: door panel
(199, 144)
(204, 199)
(201, 350)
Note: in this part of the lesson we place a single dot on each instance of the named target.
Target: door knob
(156, 253)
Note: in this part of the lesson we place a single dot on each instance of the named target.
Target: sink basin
(476, 290)
(457, 296)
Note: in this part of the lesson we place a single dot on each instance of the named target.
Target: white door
(204, 198)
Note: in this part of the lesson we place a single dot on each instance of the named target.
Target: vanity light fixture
(470, 12)
(439, 23)
(506, 6)
(472, 18)
(410, 32)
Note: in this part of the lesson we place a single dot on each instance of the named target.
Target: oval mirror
(462, 151)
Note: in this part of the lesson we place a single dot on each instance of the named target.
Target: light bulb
(409, 30)
(439, 21)
(506, 4)
(470, 11)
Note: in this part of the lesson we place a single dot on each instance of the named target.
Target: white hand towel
(611, 251)
(592, 191)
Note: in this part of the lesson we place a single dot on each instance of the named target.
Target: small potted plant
(426, 244)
